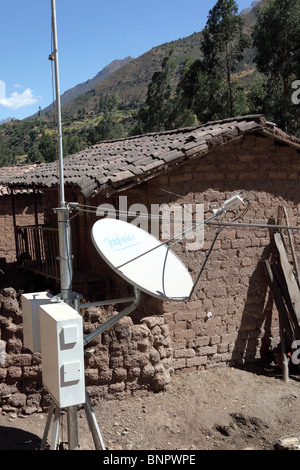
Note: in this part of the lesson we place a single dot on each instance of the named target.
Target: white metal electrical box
(62, 354)
(31, 318)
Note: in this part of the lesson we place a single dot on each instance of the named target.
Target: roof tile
(107, 166)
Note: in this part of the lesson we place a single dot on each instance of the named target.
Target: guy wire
(93, 210)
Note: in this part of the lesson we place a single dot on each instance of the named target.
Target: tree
(47, 148)
(155, 115)
(276, 37)
(108, 128)
(71, 143)
(222, 46)
(198, 96)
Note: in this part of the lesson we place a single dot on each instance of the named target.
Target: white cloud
(17, 100)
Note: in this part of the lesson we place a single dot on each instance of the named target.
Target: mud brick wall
(233, 288)
(125, 360)
(232, 308)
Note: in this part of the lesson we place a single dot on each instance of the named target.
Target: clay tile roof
(11, 172)
(112, 166)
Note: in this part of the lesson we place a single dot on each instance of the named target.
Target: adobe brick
(180, 325)
(229, 338)
(178, 345)
(202, 341)
(184, 353)
(184, 316)
(168, 317)
(208, 350)
(222, 348)
(194, 305)
(20, 359)
(226, 357)
(197, 325)
(14, 372)
(172, 327)
(241, 243)
(216, 358)
(215, 339)
(91, 375)
(178, 363)
(184, 334)
(169, 308)
(197, 361)
(31, 372)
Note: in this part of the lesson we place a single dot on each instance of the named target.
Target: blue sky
(91, 34)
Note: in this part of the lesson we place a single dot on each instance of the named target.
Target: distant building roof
(108, 167)
(9, 173)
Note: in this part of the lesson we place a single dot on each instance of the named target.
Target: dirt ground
(219, 409)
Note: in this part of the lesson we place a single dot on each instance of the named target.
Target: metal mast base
(91, 419)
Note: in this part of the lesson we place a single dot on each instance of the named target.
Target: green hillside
(131, 81)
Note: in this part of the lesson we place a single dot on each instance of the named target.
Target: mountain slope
(131, 81)
(69, 95)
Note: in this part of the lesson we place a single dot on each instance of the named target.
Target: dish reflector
(159, 273)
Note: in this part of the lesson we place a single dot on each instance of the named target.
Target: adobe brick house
(201, 165)
(17, 207)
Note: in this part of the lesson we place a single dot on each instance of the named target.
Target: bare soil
(219, 409)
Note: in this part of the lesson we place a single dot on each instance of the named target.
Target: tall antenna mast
(63, 211)
(58, 105)
(64, 232)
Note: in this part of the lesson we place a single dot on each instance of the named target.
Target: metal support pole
(63, 211)
(53, 445)
(72, 428)
(93, 425)
(48, 424)
(65, 255)
(112, 321)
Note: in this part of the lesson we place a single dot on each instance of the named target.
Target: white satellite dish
(142, 260)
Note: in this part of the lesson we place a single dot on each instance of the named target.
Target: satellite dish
(125, 248)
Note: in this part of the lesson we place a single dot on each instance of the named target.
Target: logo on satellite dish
(121, 242)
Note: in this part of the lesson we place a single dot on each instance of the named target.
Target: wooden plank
(281, 282)
(292, 246)
(286, 332)
(280, 305)
(291, 282)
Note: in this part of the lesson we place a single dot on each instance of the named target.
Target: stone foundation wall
(127, 359)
